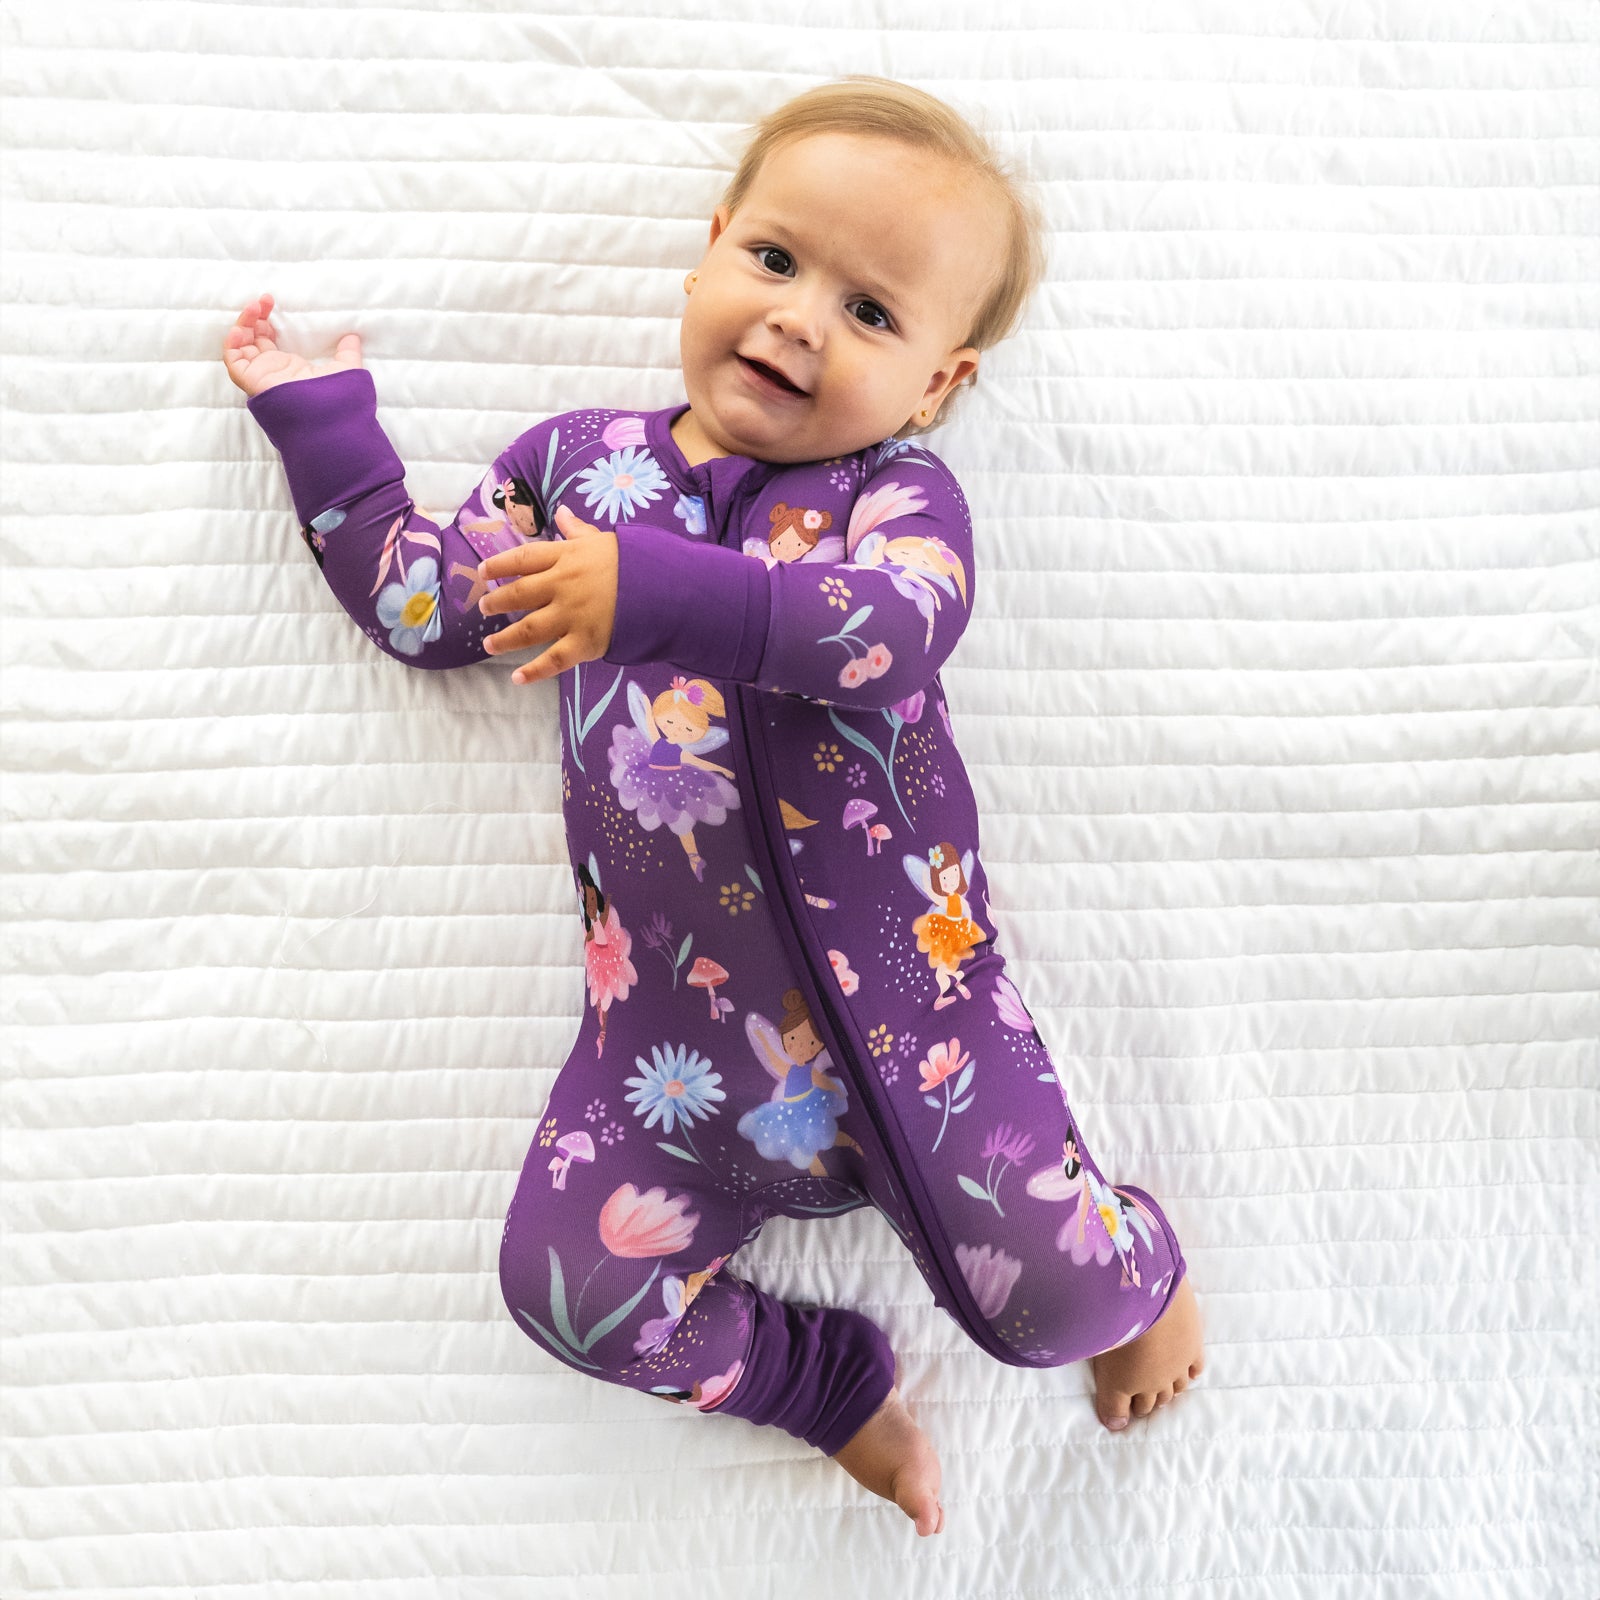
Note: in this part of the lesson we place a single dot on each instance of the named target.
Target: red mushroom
(876, 834)
(573, 1147)
(706, 974)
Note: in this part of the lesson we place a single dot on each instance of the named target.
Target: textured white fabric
(1280, 701)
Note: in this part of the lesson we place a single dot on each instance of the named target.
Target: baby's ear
(779, 513)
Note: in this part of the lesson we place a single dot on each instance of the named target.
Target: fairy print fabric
(837, 589)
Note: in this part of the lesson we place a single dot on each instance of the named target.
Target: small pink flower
(879, 660)
(648, 1224)
(854, 673)
(849, 981)
(713, 1391)
(941, 1062)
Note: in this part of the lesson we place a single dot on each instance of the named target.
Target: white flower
(410, 611)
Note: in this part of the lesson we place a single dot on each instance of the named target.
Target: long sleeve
(409, 582)
(867, 632)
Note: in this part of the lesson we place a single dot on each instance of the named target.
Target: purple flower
(991, 1275)
(1008, 1142)
(692, 510)
(1009, 1004)
(621, 431)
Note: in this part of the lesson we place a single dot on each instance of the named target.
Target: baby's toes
(1112, 1409)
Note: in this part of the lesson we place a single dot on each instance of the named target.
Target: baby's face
(854, 266)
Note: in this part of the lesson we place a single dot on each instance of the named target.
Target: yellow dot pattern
(631, 847)
(916, 762)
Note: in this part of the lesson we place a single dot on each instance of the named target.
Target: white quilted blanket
(1280, 700)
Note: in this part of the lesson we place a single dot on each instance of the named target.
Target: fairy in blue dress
(658, 764)
(800, 1120)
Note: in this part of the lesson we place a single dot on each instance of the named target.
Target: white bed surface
(1280, 700)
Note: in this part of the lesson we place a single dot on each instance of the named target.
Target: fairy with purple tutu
(658, 764)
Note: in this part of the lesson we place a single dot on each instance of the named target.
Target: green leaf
(605, 700)
(751, 871)
(555, 1344)
(847, 732)
(601, 1329)
(683, 949)
(962, 1105)
(576, 739)
(976, 1190)
(856, 619)
(965, 1078)
(673, 1150)
(931, 1100)
(558, 1300)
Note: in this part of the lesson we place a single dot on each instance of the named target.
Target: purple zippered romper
(796, 1005)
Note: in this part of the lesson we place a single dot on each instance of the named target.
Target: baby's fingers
(525, 560)
(251, 333)
(256, 320)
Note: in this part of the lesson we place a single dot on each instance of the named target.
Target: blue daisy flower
(410, 610)
(626, 482)
(677, 1087)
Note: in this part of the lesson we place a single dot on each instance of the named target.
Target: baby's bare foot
(1148, 1371)
(893, 1457)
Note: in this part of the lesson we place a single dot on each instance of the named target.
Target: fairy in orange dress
(948, 936)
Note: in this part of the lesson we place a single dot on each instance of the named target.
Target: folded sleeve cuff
(700, 606)
(326, 429)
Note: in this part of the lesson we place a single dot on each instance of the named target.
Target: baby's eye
(762, 251)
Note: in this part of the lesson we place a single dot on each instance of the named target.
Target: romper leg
(614, 1264)
(1062, 1265)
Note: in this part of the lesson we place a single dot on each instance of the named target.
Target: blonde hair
(866, 105)
(695, 698)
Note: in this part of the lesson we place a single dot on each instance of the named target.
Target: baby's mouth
(770, 375)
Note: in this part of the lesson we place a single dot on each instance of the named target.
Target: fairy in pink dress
(658, 764)
(606, 944)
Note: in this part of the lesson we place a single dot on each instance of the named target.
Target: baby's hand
(254, 362)
(571, 593)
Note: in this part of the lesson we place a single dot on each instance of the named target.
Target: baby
(746, 600)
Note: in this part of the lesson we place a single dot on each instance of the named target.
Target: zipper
(794, 929)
